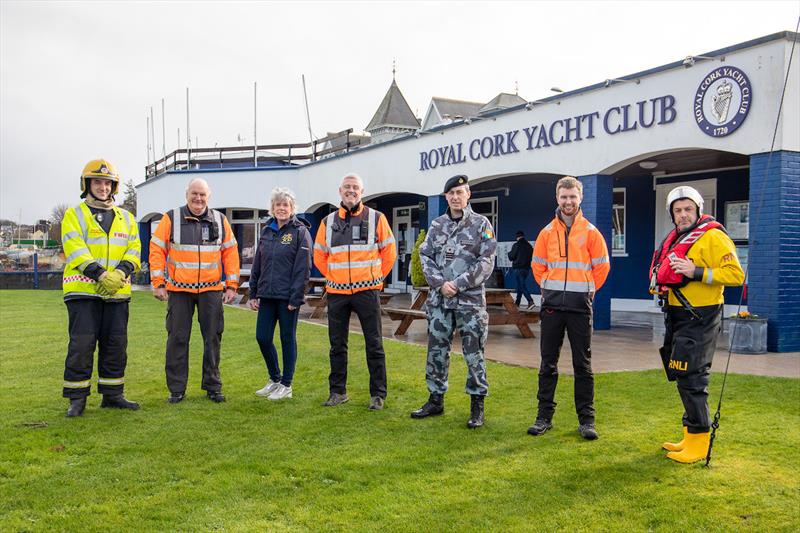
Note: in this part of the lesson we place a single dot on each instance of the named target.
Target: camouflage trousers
(473, 326)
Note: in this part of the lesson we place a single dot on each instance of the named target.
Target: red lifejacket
(676, 244)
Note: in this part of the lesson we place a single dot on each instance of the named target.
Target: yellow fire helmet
(99, 168)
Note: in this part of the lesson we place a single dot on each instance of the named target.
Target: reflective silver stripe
(132, 254)
(386, 242)
(569, 264)
(157, 273)
(110, 381)
(539, 260)
(85, 264)
(353, 248)
(321, 248)
(571, 286)
(194, 265)
(218, 220)
(232, 277)
(82, 220)
(77, 253)
(226, 245)
(373, 221)
(599, 260)
(195, 247)
(96, 240)
(77, 384)
(113, 262)
(709, 275)
(116, 241)
(176, 225)
(70, 235)
(329, 220)
(354, 264)
(158, 242)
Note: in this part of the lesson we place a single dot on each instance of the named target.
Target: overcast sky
(77, 79)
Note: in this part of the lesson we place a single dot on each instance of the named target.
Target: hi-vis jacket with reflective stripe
(570, 266)
(354, 250)
(717, 266)
(189, 255)
(85, 242)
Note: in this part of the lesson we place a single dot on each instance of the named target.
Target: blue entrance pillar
(437, 205)
(774, 255)
(597, 205)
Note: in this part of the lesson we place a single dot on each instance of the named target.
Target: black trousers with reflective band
(180, 311)
(95, 323)
(690, 344)
(578, 327)
(367, 306)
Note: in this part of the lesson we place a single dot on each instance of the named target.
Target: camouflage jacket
(462, 252)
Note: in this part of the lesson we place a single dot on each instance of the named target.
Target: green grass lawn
(250, 464)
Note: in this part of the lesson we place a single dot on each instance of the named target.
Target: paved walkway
(631, 344)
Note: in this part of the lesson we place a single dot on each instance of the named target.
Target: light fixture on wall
(689, 61)
(556, 89)
(648, 165)
(611, 81)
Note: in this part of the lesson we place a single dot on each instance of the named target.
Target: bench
(405, 316)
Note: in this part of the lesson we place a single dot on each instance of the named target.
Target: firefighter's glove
(111, 282)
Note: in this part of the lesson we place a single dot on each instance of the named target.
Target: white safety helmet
(681, 193)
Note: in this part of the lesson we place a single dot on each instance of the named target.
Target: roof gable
(393, 111)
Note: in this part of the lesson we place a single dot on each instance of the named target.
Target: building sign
(722, 101)
(612, 121)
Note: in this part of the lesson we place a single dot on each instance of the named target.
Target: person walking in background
(188, 251)
(520, 256)
(570, 264)
(101, 245)
(278, 281)
(355, 251)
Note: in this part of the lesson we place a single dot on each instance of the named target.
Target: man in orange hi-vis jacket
(355, 251)
(570, 264)
(190, 250)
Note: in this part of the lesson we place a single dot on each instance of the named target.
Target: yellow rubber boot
(676, 446)
(695, 448)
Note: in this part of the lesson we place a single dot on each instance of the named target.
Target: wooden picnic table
(319, 302)
(508, 312)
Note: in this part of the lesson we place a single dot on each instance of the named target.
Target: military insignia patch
(286, 239)
(487, 234)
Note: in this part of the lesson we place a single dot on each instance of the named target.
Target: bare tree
(56, 216)
(129, 202)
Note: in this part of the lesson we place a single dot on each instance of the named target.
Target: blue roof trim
(788, 35)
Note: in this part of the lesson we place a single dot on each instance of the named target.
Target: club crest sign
(722, 101)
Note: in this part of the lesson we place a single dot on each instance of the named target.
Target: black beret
(455, 181)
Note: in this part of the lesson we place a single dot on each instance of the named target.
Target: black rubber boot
(118, 401)
(76, 406)
(476, 412)
(433, 407)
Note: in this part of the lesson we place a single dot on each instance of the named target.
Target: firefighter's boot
(695, 448)
(118, 401)
(676, 446)
(76, 406)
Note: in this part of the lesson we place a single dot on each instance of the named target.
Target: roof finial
(516, 88)
(394, 67)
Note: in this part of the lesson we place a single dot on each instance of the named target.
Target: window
(618, 223)
(486, 207)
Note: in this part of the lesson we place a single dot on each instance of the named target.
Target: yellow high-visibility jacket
(85, 242)
(715, 253)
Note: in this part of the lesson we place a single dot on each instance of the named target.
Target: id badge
(205, 233)
(357, 232)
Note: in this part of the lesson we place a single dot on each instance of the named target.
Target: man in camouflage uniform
(457, 258)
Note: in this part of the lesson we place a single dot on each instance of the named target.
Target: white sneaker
(268, 388)
(280, 392)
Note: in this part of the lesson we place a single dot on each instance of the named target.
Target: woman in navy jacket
(278, 282)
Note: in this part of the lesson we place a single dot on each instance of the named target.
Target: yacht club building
(707, 121)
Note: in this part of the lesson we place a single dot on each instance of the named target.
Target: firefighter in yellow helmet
(101, 247)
